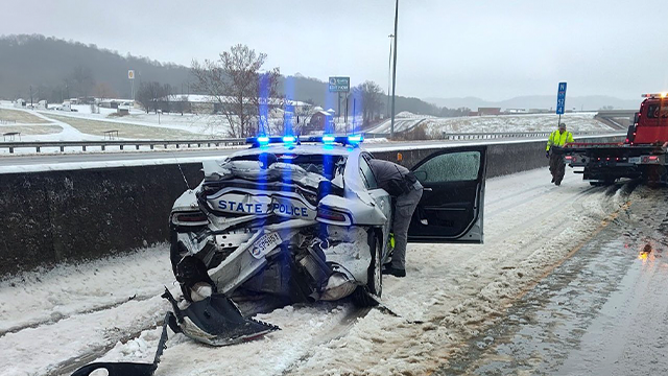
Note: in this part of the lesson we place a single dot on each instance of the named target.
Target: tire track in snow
(346, 323)
(19, 328)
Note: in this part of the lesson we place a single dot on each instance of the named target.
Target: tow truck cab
(650, 125)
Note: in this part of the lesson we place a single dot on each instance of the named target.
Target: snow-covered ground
(575, 122)
(435, 127)
(61, 131)
(194, 123)
(451, 292)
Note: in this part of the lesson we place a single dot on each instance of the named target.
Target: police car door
(451, 208)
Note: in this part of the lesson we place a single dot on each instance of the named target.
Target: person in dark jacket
(402, 185)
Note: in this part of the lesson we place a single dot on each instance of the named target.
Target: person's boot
(552, 180)
(399, 273)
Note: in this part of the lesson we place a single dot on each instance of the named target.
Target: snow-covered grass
(20, 116)
(31, 130)
(435, 127)
(513, 123)
(451, 292)
(125, 130)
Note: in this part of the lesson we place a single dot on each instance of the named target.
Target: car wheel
(374, 284)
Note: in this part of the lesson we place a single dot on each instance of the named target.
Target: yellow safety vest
(559, 139)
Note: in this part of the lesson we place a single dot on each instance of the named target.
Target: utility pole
(394, 67)
(389, 75)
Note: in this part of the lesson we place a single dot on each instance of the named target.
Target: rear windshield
(324, 165)
(653, 111)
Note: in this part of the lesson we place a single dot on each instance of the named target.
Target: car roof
(300, 149)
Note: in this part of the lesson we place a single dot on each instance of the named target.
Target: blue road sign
(561, 98)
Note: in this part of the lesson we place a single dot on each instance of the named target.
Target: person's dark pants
(557, 165)
(405, 207)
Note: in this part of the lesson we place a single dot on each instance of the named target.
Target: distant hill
(58, 69)
(592, 102)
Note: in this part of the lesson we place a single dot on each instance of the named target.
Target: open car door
(451, 208)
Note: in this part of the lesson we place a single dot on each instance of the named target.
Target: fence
(121, 144)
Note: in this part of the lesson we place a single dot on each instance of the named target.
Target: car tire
(374, 283)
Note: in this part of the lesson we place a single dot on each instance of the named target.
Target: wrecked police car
(304, 219)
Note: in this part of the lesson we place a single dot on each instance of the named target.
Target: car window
(367, 175)
(460, 166)
(653, 111)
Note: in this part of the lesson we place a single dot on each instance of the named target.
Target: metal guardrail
(496, 135)
(490, 135)
(61, 145)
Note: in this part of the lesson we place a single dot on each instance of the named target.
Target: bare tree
(81, 81)
(241, 91)
(181, 104)
(304, 112)
(154, 96)
(104, 90)
(371, 95)
(287, 122)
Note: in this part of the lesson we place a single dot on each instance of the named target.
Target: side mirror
(636, 117)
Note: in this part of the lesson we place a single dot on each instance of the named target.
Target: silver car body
(267, 216)
(347, 251)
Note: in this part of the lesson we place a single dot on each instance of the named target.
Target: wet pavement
(604, 311)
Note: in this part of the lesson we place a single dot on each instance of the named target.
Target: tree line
(37, 67)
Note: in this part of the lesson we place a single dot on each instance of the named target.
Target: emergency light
(353, 140)
(656, 95)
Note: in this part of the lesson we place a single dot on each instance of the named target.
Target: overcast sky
(491, 49)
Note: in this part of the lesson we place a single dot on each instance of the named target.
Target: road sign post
(131, 77)
(561, 100)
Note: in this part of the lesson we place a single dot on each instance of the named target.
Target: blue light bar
(353, 140)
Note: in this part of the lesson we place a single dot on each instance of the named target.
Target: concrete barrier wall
(68, 216)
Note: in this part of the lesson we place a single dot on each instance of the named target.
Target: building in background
(484, 111)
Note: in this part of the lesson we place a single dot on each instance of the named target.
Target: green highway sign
(339, 84)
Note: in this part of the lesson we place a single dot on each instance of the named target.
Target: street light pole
(394, 67)
(389, 74)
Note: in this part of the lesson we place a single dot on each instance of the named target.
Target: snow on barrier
(52, 217)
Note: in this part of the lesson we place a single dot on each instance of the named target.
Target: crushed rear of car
(278, 220)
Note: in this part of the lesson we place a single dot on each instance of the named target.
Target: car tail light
(190, 219)
(569, 157)
(653, 158)
(329, 215)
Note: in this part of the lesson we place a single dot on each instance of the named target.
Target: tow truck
(642, 155)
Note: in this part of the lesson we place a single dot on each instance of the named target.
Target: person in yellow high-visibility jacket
(557, 140)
